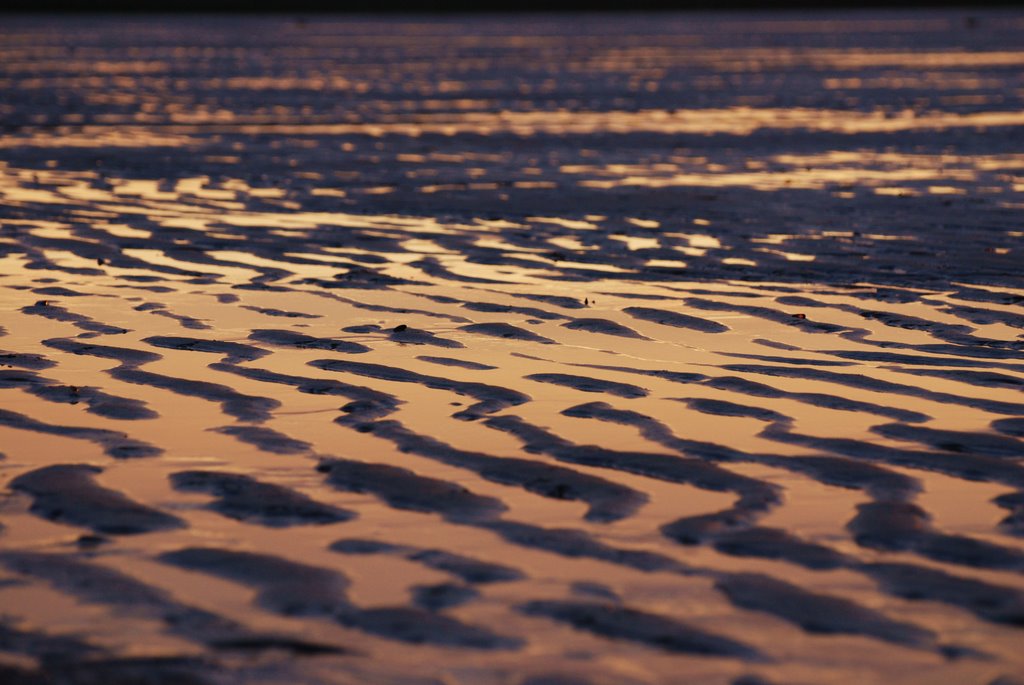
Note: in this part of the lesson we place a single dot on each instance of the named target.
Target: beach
(520, 350)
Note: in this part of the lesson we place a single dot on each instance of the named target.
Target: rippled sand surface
(577, 350)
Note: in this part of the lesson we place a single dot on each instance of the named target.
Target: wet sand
(576, 350)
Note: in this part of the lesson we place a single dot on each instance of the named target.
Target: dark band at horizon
(475, 6)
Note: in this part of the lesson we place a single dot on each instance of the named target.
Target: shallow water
(512, 350)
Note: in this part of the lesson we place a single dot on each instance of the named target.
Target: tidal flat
(630, 349)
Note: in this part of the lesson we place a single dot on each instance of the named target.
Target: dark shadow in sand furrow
(244, 498)
(986, 444)
(815, 399)
(995, 603)
(464, 568)
(232, 353)
(877, 385)
(608, 501)
(982, 316)
(683, 377)
(267, 439)
(280, 313)
(799, 361)
(956, 334)
(106, 669)
(972, 294)
(114, 444)
(370, 307)
(120, 259)
(655, 431)
(667, 317)
(775, 345)
(404, 489)
(969, 466)
(701, 528)
(937, 329)
(367, 404)
(202, 252)
(532, 312)
(818, 613)
(96, 584)
(285, 586)
(285, 338)
(90, 242)
(572, 543)
(878, 482)
(588, 384)
(652, 630)
(967, 346)
(747, 387)
(491, 398)
(420, 626)
(243, 407)
(904, 526)
(21, 360)
(183, 320)
(603, 327)
(96, 401)
(56, 313)
(981, 379)
(69, 493)
(124, 356)
(440, 596)
(234, 403)
(431, 266)
(921, 359)
(506, 331)
(775, 543)
(705, 405)
(43, 647)
(557, 300)
(358, 278)
(801, 322)
(812, 611)
(295, 589)
(460, 363)
(1012, 426)
(495, 308)
(1013, 523)
(406, 335)
(734, 532)
(753, 494)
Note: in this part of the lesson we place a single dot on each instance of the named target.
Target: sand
(512, 350)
